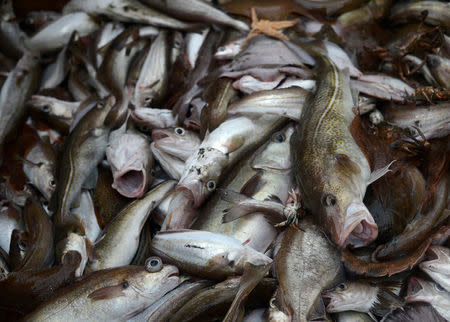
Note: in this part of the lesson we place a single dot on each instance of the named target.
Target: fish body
(206, 254)
(120, 238)
(331, 170)
(22, 81)
(115, 294)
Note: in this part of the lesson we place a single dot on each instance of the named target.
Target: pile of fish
(272, 160)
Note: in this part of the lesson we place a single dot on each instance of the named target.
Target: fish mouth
(431, 257)
(414, 290)
(159, 134)
(359, 228)
(131, 183)
(193, 191)
(329, 301)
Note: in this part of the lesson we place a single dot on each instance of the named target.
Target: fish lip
(121, 178)
(357, 216)
(192, 191)
(414, 290)
(328, 301)
(159, 134)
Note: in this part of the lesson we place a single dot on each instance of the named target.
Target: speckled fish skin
(330, 169)
(121, 236)
(220, 150)
(115, 294)
(84, 148)
(202, 253)
(306, 263)
(22, 81)
(272, 168)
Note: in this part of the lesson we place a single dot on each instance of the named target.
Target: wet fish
(84, 149)
(33, 249)
(220, 150)
(153, 118)
(437, 265)
(330, 169)
(116, 294)
(10, 219)
(437, 12)
(126, 11)
(21, 83)
(152, 84)
(74, 243)
(120, 238)
(376, 299)
(420, 290)
(57, 34)
(194, 41)
(131, 161)
(197, 10)
(440, 68)
(231, 48)
(305, 263)
(86, 213)
(383, 87)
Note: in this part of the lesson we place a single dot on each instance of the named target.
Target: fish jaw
(131, 183)
(193, 190)
(416, 291)
(359, 228)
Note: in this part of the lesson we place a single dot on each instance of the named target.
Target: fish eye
(46, 108)
(153, 264)
(278, 137)
(341, 287)
(152, 173)
(125, 284)
(22, 246)
(100, 105)
(148, 100)
(144, 128)
(221, 48)
(179, 130)
(211, 185)
(439, 288)
(52, 182)
(329, 200)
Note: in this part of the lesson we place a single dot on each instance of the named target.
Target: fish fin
(91, 180)
(106, 293)
(236, 142)
(250, 187)
(231, 196)
(317, 311)
(251, 277)
(273, 198)
(377, 174)
(90, 250)
(233, 213)
(386, 302)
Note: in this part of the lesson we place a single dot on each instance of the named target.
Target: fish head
(130, 158)
(340, 207)
(178, 142)
(151, 118)
(437, 264)
(349, 296)
(201, 174)
(276, 155)
(6, 10)
(155, 280)
(46, 181)
(420, 290)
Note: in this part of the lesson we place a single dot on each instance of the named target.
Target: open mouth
(131, 184)
(192, 192)
(414, 288)
(359, 228)
(431, 254)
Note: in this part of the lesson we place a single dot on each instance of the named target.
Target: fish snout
(131, 183)
(414, 290)
(359, 227)
(193, 190)
(159, 134)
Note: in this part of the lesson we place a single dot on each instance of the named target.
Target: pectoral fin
(106, 293)
(377, 174)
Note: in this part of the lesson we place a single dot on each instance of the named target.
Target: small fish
(57, 34)
(420, 290)
(437, 265)
(131, 161)
(114, 294)
(376, 299)
(119, 242)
